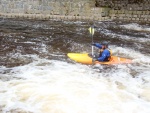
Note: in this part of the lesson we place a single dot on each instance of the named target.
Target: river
(36, 76)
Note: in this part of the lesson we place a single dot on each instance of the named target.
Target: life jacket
(101, 51)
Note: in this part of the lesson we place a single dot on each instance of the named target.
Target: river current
(36, 76)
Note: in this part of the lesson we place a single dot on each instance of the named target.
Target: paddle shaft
(91, 29)
(92, 46)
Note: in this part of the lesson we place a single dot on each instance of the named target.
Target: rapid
(36, 76)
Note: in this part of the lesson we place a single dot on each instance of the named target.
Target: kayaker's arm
(102, 58)
(97, 45)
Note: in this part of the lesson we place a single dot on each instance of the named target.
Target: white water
(51, 86)
(136, 27)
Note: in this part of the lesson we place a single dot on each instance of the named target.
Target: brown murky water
(29, 37)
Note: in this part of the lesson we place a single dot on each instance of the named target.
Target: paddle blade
(91, 30)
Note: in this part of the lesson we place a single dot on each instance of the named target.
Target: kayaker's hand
(94, 59)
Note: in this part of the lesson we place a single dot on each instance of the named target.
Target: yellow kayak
(84, 58)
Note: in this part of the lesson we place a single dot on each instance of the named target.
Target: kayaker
(104, 53)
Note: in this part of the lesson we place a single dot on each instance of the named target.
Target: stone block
(90, 18)
(114, 18)
(115, 11)
(126, 12)
(73, 17)
(15, 11)
(56, 13)
(45, 17)
(87, 6)
(141, 19)
(125, 18)
(91, 3)
(139, 12)
(111, 12)
(35, 3)
(135, 16)
(122, 15)
(37, 11)
(148, 16)
(134, 12)
(128, 15)
(137, 19)
(145, 19)
(129, 19)
(113, 15)
(46, 12)
(58, 4)
(0, 8)
(123, 11)
(130, 12)
(13, 15)
(69, 17)
(119, 12)
(61, 17)
(147, 12)
(143, 12)
(143, 16)
(138, 16)
(30, 11)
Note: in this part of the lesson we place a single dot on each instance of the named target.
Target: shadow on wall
(124, 4)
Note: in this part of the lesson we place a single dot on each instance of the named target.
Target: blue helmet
(105, 43)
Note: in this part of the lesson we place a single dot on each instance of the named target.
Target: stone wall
(53, 7)
(72, 10)
(126, 15)
(50, 9)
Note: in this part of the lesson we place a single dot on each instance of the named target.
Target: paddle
(92, 30)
